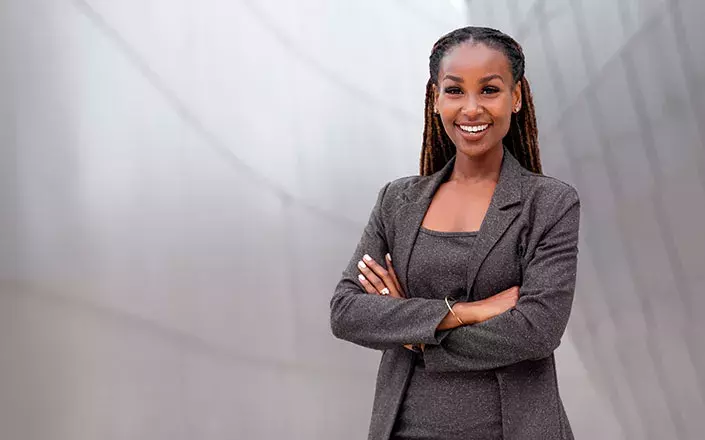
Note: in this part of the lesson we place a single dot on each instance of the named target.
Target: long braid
(522, 138)
(434, 134)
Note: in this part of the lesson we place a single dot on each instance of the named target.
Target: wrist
(467, 311)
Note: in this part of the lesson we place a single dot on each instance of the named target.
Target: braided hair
(522, 138)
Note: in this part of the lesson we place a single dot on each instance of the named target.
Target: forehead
(474, 59)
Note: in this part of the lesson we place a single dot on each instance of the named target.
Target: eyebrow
(489, 78)
(485, 79)
(454, 78)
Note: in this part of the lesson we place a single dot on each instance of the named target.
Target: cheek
(502, 113)
(502, 108)
(503, 127)
(448, 114)
(449, 107)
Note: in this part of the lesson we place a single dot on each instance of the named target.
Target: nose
(472, 106)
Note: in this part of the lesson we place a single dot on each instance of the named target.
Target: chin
(478, 149)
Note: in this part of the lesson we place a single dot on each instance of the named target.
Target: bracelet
(454, 314)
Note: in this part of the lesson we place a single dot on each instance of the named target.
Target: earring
(516, 109)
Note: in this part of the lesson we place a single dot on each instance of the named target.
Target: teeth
(474, 128)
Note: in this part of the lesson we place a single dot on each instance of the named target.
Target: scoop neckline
(449, 233)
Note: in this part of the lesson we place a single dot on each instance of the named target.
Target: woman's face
(475, 97)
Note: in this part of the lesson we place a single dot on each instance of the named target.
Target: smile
(474, 128)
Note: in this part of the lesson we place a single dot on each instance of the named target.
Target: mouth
(473, 131)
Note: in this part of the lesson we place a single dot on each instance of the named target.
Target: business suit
(529, 237)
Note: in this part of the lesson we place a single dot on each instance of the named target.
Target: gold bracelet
(454, 314)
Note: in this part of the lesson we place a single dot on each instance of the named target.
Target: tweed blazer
(529, 238)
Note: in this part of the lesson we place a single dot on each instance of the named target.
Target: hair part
(522, 138)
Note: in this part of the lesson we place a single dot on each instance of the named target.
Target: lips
(473, 131)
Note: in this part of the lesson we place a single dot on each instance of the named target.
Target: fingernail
(367, 258)
(361, 277)
(389, 257)
(361, 265)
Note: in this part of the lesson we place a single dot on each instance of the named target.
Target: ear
(516, 98)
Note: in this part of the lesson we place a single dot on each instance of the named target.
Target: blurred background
(182, 183)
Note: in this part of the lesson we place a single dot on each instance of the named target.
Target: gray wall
(182, 183)
(619, 92)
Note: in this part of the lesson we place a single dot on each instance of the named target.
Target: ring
(384, 291)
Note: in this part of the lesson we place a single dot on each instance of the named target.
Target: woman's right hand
(482, 310)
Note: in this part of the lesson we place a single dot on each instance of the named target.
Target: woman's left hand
(376, 280)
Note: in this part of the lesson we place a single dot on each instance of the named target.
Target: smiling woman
(488, 66)
(485, 254)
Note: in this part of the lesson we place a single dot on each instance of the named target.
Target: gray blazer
(529, 237)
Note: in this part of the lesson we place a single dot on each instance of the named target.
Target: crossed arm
(380, 280)
(529, 329)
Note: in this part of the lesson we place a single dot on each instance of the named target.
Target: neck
(470, 169)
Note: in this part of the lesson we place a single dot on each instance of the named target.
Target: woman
(485, 253)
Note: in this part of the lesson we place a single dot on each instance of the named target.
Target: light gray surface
(181, 184)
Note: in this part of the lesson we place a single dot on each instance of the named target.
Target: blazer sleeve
(375, 321)
(534, 327)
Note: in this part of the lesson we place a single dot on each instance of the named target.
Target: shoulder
(395, 188)
(546, 191)
(549, 201)
(394, 193)
(399, 186)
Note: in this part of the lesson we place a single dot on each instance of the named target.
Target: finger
(393, 274)
(382, 274)
(371, 277)
(369, 288)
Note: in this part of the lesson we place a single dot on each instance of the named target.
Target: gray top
(438, 268)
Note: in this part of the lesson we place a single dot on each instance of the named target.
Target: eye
(452, 90)
(490, 90)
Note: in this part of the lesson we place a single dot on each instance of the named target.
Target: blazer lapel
(410, 215)
(505, 206)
